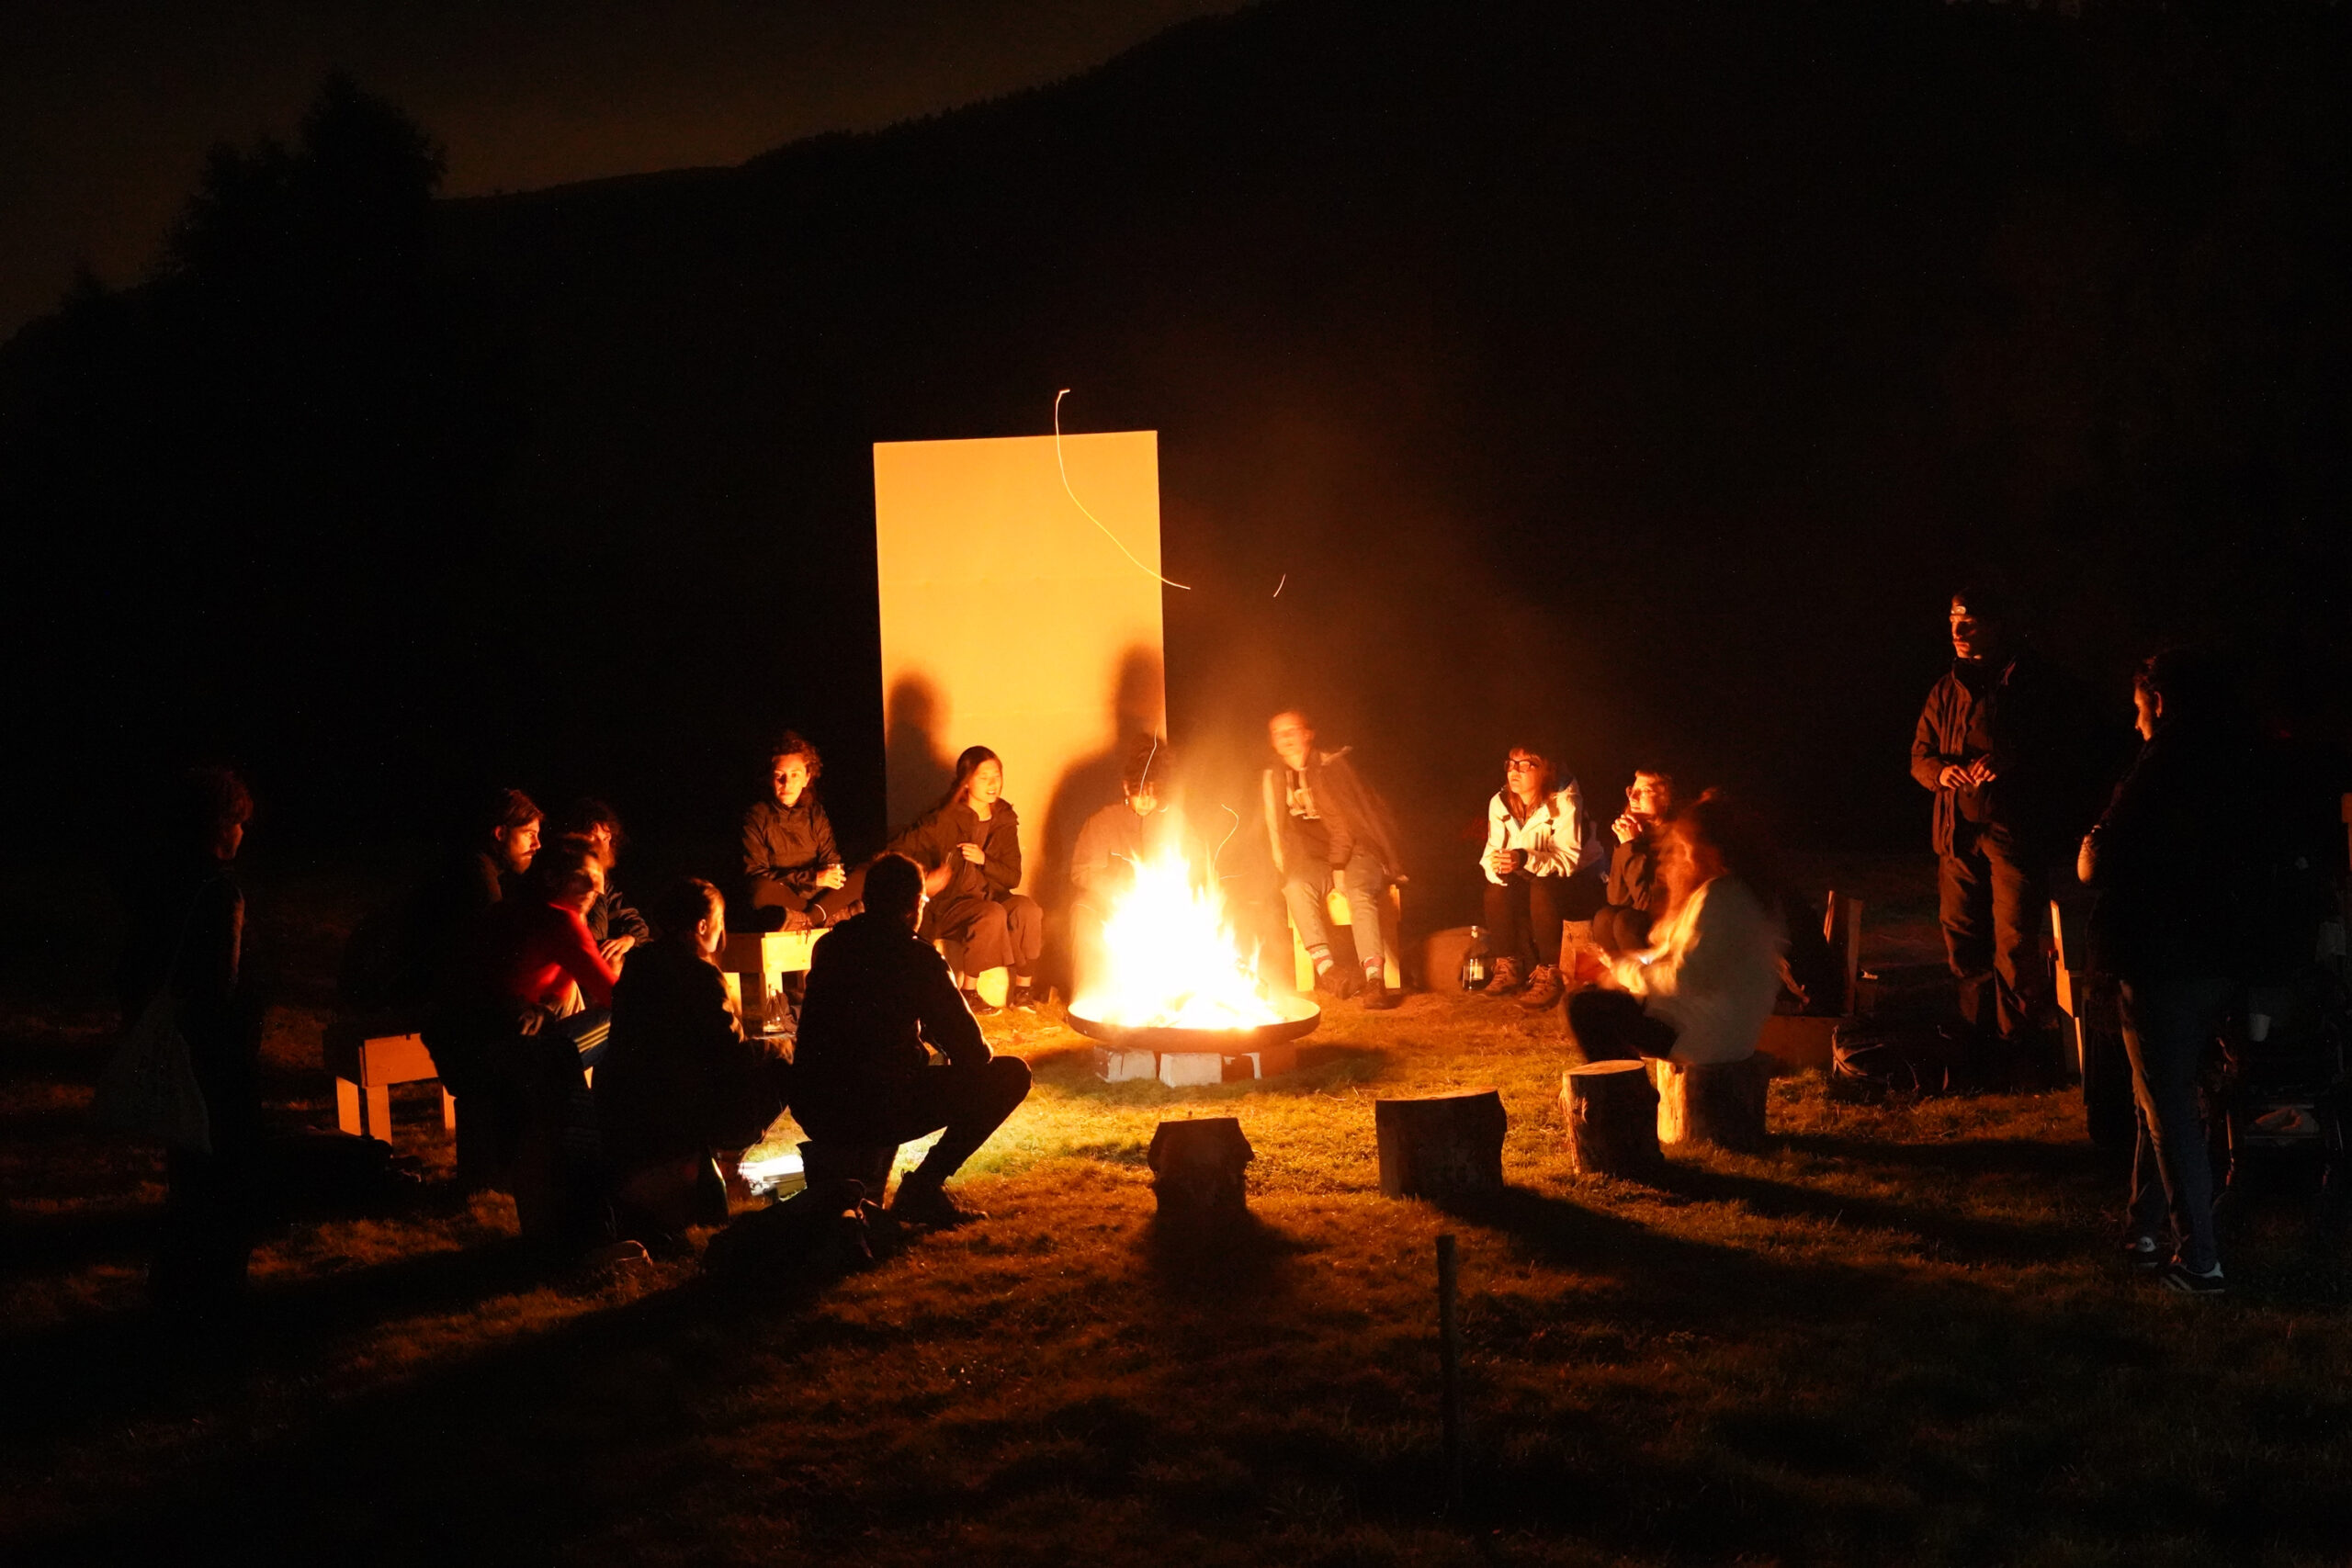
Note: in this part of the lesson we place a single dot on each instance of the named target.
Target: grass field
(1896, 1336)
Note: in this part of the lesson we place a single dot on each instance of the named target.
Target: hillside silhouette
(1636, 375)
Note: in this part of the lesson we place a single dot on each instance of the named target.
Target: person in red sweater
(508, 1044)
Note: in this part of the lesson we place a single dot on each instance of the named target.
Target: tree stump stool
(1612, 1118)
(1712, 1102)
(1197, 1170)
(1443, 1146)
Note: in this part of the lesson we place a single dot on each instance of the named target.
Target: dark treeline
(1638, 374)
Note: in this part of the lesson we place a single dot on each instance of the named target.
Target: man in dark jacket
(1321, 818)
(876, 995)
(790, 861)
(1992, 744)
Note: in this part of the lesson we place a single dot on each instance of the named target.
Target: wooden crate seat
(366, 1059)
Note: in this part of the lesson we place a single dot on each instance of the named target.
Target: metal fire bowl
(1303, 1016)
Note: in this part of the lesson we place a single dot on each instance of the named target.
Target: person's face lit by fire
(1144, 798)
(1292, 738)
(987, 785)
(520, 845)
(1649, 798)
(788, 776)
(1524, 775)
(2147, 710)
(1974, 635)
(600, 840)
(1688, 863)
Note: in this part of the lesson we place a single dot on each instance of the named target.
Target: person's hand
(834, 876)
(934, 882)
(1505, 862)
(615, 946)
(1954, 777)
(1980, 772)
(1626, 828)
(531, 1021)
(974, 854)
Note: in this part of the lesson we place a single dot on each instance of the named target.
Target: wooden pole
(1449, 1334)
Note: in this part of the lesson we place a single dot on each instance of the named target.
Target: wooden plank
(396, 1058)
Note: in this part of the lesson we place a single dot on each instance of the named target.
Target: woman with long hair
(1538, 861)
(1704, 989)
(969, 848)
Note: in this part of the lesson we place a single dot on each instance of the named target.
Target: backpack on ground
(1871, 1062)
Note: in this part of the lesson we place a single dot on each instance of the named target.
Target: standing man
(1991, 745)
(1322, 818)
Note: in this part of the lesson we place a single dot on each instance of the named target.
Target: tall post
(1449, 1334)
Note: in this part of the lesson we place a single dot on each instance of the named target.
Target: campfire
(1172, 979)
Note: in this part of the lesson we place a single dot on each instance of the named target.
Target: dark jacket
(876, 993)
(2019, 713)
(678, 1077)
(2172, 868)
(1634, 880)
(933, 840)
(785, 850)
(1110, 843)
(188, 928)
(1352, 814)
(612, 915)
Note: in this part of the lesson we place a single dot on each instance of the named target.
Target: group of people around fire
(601, 1062)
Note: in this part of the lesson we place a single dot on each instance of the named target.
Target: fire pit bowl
(1300, 1016)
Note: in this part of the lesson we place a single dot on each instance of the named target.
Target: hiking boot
(1378, 997)
(1543, 988)
(1028, 998)
(2142, 1253)
(924, 1203)
(1509, 977)
(981, 1007)
(1337, 982)
(2190, 1283)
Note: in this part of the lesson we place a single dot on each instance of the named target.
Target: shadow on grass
(1956, 1236)
(1244, 1261)
(1959, 1157)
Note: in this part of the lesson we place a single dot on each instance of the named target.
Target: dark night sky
(106, 107)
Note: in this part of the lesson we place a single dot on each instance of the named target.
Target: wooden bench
(755, 963)
(366, 1064)
(1335, 909)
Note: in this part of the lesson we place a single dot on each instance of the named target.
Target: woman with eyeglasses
(1541, 854)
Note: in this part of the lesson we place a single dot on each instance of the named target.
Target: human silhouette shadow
(917, 769)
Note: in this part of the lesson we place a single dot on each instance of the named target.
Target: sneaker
(1378, 997)
(2142, 1252)
(1509, 977)
(921, 1204)
(980, 1006)
(613, 1257)
(1543, 988)
(2190, 1283)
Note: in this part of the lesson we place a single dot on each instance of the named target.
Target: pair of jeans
(2167, 1025)
(1992, 891)
(1306, 887)
(964, 1104)
(1524, 915)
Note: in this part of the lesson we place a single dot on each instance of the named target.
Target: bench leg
(448, 1111)
(347, 1106)
(376, 1118)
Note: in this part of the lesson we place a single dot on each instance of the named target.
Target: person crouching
(679, 1081)
(876, 995)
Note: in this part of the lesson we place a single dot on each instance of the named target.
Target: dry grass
(1897, 1337)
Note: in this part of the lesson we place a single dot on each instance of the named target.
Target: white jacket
(1714, 973)
(1558, 838)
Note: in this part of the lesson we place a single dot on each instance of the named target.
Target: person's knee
(1009, 1080)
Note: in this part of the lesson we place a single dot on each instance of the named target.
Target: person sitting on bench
(1539, 863)
(969, 846)
(1321, 818)
(613, 923)
(1702, 992)
(502, 839)
(790, 861)
(507, 1042)
(1636, 891)
(877, 994)
(678, 1081)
